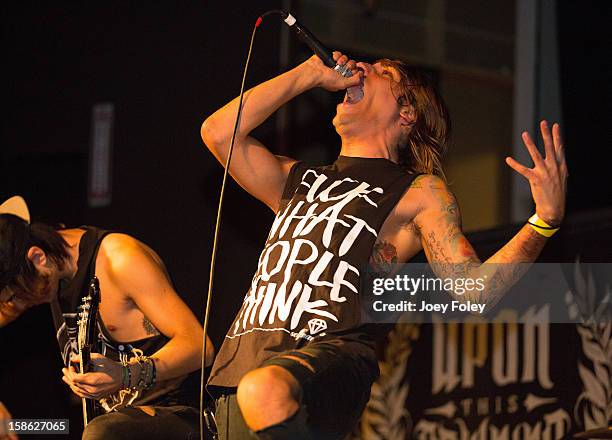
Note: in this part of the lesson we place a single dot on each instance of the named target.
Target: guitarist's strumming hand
(105, 378)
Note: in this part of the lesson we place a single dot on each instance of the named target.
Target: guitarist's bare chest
(121, 317)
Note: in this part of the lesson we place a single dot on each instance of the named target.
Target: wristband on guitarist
(147, 372)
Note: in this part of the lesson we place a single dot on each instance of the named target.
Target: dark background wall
(165, 66)
(584, 46)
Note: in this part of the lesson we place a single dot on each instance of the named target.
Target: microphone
(354, 93)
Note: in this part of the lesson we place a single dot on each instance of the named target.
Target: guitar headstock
(88, 312)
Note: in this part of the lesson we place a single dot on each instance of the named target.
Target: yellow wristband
(541, 227)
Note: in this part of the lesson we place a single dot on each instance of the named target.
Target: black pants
(169, 422)
(334, 395)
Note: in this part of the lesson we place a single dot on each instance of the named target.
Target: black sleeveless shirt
(64, 311)
(306, 288)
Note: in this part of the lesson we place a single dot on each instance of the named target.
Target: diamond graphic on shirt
(316, 325)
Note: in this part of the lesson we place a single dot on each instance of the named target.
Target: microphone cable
(218, 223)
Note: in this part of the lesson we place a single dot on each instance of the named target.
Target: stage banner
(512, 374)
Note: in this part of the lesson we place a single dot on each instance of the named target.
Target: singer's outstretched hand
(328, 78)
(548, 177)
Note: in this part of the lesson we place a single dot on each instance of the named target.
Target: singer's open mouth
(361, 86)
(346, 100)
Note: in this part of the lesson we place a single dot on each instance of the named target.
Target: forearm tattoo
(512, 261)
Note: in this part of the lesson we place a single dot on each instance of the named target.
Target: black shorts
(335, 391)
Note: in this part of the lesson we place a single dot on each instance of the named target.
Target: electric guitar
(86, 339)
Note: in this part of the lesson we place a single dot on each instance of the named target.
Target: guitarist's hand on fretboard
(105, 378)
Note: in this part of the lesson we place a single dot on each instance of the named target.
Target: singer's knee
(267, 396)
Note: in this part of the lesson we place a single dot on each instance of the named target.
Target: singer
(297, 362)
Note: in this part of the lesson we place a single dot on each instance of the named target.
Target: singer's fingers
(342, 60)
(352, 65)
(336, 55)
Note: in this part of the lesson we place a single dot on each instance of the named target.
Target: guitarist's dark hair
(16, 238)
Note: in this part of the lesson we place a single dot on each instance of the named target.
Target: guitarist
(145, 375)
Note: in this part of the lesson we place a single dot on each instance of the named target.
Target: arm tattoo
(512, 261)
(149, 327)
(412, 228)
(452, 256)
(507, 266)
(416, 183)
(384, 256)
(449, 234)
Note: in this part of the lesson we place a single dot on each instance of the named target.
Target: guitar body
(88, 316)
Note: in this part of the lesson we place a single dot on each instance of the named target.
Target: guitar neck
(86, 338)
(84, 360)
